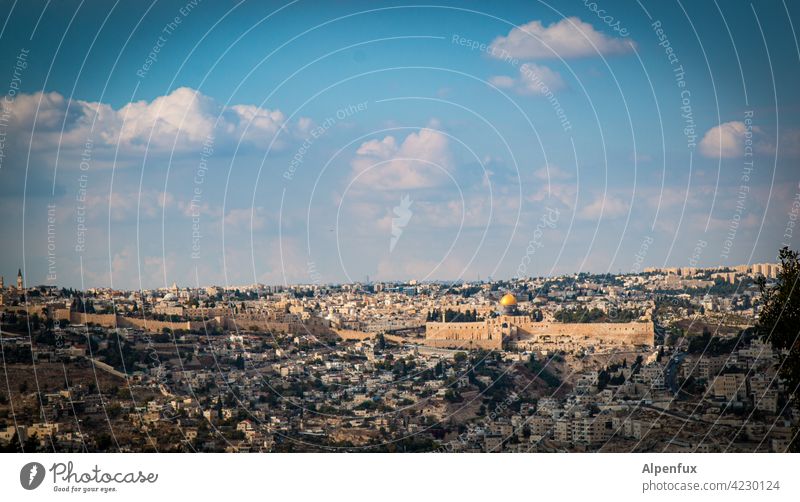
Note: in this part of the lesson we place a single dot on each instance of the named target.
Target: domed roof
(508, 300)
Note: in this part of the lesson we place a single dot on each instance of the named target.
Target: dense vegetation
(584, 315)
(779, 323)
(435, 315)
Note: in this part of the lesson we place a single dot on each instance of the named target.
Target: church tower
(19, 279)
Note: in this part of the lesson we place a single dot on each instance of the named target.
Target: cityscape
(662, 360)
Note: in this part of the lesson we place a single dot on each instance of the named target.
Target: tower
(2, 284)
(19, 279)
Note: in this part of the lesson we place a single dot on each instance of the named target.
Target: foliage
(779, 322)
(453, 396)
(453, 316)
(584, 315)
(717, 346)
(541, 370)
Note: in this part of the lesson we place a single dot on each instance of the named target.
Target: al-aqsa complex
(508, 327)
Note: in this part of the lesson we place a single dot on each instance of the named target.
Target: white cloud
(392, 268)
(127, 267)
(568, 38)
(183, 119)
(247, 218)
(608, 207)
(724, 141)
(563, 193)
(640, 157)
(728, 141)
(129, 205)
(420, 161)
(788, 146)
(551, 172)
(503, 81)
(532, 79)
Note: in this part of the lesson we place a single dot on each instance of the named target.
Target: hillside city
(376, 367)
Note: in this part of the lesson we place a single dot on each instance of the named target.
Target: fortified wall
(311, 326)
(523, 332)
(466, 335)
(118, 321)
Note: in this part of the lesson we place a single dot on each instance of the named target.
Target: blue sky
(295, 142)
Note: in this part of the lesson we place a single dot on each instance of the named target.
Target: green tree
(779, 322)
(31, 444)
(453, 396)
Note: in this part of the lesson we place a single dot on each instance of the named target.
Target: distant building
(730, 386)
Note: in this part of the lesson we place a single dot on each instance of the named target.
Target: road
(671, 373)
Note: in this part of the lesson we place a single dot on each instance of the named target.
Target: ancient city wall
(493, 331)
(495, 344)
(118, 321)
(466, 335)
(457, 330)
(632, 333)
(151, 325)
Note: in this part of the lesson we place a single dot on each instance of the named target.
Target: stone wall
(525, 332)
(118, 321)
(464, 344)
(466, 335)
(316, 328)
(631, 333)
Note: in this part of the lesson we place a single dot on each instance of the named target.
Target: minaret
(19, 279)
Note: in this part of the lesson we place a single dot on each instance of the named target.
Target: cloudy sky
(198, 142)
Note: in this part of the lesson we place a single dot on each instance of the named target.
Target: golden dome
(508, 300)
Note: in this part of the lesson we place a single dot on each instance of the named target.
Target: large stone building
(509, 329)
